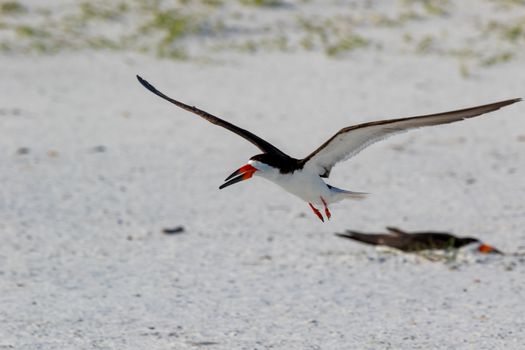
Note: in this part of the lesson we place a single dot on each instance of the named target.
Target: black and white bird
(417, 241)
(304, 177)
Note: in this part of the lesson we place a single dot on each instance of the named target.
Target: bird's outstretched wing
(351, 140)
(394, 231)
(263, 145)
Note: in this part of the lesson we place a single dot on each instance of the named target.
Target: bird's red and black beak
(488, 249)
(243, 173)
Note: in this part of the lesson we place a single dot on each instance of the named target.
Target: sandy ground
(92, 167)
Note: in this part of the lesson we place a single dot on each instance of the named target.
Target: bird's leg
(326, 210)
(316, 212)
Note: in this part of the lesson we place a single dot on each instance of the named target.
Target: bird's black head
(463, 241)
(266, 164)
(285, 165)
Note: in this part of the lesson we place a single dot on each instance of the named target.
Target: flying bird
(417, 241)
(305, 177)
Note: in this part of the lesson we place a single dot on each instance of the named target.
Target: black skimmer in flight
(304, 177)
(417, 241)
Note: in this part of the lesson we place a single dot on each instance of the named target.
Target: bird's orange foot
(316, 212)
(326, 210)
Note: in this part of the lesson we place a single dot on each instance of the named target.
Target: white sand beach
(93, 167)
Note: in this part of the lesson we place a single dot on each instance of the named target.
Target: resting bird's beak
(487, 249)
(243, 173)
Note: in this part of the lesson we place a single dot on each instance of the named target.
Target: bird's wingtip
(145, 83)
(347, 234)
(343, 235)
(512, 101)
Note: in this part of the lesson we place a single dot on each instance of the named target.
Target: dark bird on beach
(417, 241)
(304, 177)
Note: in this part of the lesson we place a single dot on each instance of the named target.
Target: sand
(93, 167)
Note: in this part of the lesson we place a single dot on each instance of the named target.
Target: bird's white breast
(306, 185)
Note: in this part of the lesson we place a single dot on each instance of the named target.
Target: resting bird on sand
(304, 177)
(417, 241)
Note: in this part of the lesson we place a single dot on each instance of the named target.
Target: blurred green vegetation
(261, 2)
(12, 7)
(189, 29)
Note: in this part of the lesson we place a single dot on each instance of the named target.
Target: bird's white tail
(344, 194)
